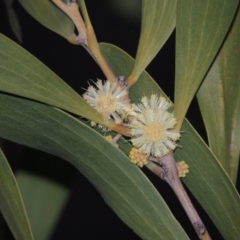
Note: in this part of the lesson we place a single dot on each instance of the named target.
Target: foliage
(38, 109)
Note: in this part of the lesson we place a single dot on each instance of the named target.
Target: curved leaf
(44, 200)
(13, 20)
(207, 180)
(123, 186)
(212, 105)
(50, 16)
(219, 101)
(24, 75)
(11, 203)
(158, 22)
(200, 29)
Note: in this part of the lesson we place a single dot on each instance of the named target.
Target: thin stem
(86, 35)
(90, 53)
(116, 138)
(85, 13)
(156, 169)
(179, 121)
(93, 45)
(153, 159)
(131, 80)
(170, 175)
(72, 11)
(123, 130)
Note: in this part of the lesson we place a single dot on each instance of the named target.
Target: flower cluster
(152, 126)
(182, 168)
(137, 157)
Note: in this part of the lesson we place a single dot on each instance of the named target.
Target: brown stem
(123, 130)
(170, 175)
(72, 11)
(93, 45)
(86, 34)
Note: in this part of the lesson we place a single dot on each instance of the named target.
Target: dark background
(86, 215)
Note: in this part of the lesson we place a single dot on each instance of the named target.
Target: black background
(86, 215)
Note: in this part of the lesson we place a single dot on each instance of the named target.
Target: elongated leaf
(212, 105)
(231, 54)
(200, 29)
(22, 74)
(207, 180)
(50, 16)
(44, 200)
(13, 20)
(158, 22)
(123, 186)
(219, 102)
(11, 203)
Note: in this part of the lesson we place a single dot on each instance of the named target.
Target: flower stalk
(116, 138)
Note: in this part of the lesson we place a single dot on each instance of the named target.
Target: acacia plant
(125, 121)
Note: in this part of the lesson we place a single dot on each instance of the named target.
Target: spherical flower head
(137, 157)
(109, 99)
(182, 168)
(153, 102)
(152, 129)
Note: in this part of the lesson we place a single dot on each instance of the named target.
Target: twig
(169, 173)
(93, 45)
(71, 9)
(86, 37)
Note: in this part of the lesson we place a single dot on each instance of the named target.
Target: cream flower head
(152, 129)
(109, 99)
